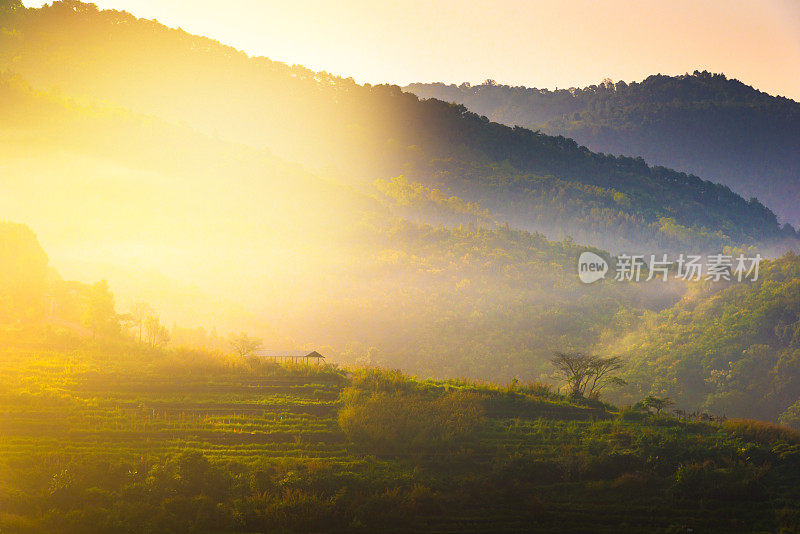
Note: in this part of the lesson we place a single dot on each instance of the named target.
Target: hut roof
(286, 354)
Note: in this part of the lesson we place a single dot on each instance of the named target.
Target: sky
(545, 44)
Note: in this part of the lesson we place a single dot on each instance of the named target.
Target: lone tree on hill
(659, 404)
(585, 374)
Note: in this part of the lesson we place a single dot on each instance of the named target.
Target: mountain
(362, 133)
(701, 123)
(219, 234)
(733, 350)
(313, 211)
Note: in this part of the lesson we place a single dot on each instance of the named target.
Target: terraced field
(56, 402)
(66, 402)
(121, 439)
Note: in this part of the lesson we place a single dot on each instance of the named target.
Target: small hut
(294, 356)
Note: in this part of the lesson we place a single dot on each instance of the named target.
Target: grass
(129, 440)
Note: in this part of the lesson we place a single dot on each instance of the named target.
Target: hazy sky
(552, 43)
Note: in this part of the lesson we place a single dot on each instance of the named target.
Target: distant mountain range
(354, 218)
(700, 123)
(294, 257)
(532, 181)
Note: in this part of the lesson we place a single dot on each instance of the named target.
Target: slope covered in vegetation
(703, 123)
(533, 181)
(727, 351)
(120, 438)
(105, 432)
(291, 256)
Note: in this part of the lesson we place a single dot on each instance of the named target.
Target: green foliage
(320, 120)
(386, 411)
(726, 350)
(126, 440)
(586, 375)
(652, 403)
(762, 432)
(703, 123)
(408, 422)
(791, 416)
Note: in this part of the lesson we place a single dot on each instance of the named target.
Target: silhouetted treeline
(703, 123)
(363, 131)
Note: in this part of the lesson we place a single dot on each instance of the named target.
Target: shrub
(762, 432)
(388, 381)
(409, 421)
(705, 480)
(632, 413)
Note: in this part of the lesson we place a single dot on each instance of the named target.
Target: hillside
(109, 432)
(395, 270)
(240, 239)
(725, 351)
(361, 133)
(125, 439)
(705, 124)
(242, 296)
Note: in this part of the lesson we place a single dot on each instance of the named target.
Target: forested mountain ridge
(701, 123)
(733, 350)
(347, 258)
(362, 133)
(308, 259)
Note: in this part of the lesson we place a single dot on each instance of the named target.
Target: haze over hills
(181, 225)
(724, 349)
(362, 133)
(313, 211)
(700, 123)
(293, 257)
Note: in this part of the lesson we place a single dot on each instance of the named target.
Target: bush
(705, 480)
(409, 421)
(762, 432)
(387, 381)
(632, 413)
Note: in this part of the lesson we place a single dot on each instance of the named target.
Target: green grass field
(119, 439)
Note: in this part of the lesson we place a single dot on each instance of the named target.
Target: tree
(574, 369)
(157, 334)
(163, 337)
(583, 371)
(244, 344)
(140, 313)
(602, 373)
(652, 402)
(99, 314)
